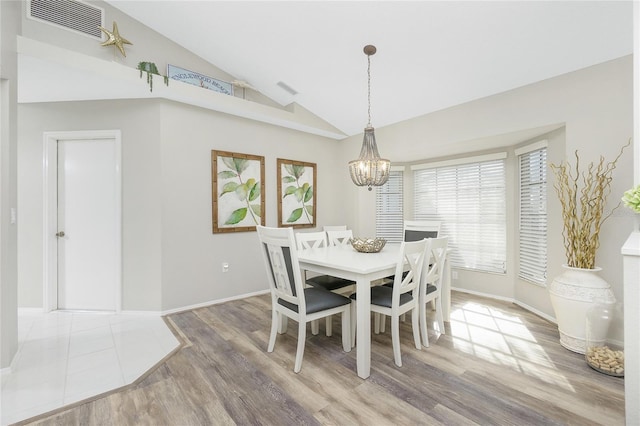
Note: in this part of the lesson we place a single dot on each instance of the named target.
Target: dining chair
(288, 295)
(401, 298)
(431, 285)
(339, 238)
(308, 240)
(334, 228)
(414, 230)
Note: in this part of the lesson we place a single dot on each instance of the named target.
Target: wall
(148, 45)
(9, 25)
(191, 255)
(141, 192)
(171, 259)
(595, 104)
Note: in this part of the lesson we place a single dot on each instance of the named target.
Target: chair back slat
(411, 261)
(435, 262)
(339, 238)
(307, 240)
(281, 261)
(415, 230)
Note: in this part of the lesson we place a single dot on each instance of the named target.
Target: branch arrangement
(583, 196)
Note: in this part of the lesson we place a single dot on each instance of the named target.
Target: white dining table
(364, 269)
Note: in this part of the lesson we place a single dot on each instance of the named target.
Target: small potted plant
(631, 199)
(150, 68)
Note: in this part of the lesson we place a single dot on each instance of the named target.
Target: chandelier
(369, 169)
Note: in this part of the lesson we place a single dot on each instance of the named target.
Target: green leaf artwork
(296, 182)
(245, 191)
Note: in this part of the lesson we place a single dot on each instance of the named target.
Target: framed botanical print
(237, 191)
(296, 194)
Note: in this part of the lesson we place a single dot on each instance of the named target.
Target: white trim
(531, 147)
(214, 302)
(458, 161)
(507, 299)
(50, 222)
(397, 168)
(536, 311)
(30, 311)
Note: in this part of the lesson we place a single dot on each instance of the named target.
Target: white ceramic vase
(572, 294)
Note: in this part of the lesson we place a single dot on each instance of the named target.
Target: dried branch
(583, 196)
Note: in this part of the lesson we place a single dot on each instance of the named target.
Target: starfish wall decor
(114, 38)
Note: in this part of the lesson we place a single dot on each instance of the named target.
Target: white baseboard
(535, 311)
(508, 299)
(30, 311)
(213, 302)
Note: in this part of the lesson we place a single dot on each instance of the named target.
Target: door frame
(50, 211)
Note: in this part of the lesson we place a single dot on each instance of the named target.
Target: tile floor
(65, 357)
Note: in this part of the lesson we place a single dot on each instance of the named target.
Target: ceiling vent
(71, 14)
(287, 88)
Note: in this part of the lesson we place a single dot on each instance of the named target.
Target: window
(532, 250)
(468, 196)
(389, 214)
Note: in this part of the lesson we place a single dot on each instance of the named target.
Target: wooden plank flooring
(497, 365)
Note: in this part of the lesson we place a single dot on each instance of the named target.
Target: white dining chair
(339, 238)
(334, 228)
(431, 285)
(309, 240)
(289, 297)
(414, 230)
(402, 297)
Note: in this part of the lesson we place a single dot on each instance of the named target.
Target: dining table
(365, 269)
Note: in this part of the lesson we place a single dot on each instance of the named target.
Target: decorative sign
(200, 80)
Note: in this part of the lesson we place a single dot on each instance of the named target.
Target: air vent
(287, 88)
(70, 14)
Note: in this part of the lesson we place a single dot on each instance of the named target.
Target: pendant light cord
(369, 87)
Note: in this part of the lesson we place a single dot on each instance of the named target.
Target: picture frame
(238, 191)
(200, 80)
(297, 192)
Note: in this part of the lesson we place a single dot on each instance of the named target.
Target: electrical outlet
(225, 267)
(454, 275)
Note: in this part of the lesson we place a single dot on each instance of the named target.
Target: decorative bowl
(368, 245)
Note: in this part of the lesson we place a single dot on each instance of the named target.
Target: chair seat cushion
(381, 295)
(328, 282)
(318, 300)
(431, 288)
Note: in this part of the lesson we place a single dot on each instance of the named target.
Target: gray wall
(595, 107)
(9, 26)
(171, 259)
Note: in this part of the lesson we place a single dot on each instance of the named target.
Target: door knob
(60, 234)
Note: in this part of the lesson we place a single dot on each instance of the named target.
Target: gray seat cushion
(318, 300)
(381, 296)
(327, 282)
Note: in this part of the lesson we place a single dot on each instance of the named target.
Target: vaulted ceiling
(431, 54)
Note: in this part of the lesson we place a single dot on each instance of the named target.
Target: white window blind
(389, 205)
(533, 216)
(469, 200)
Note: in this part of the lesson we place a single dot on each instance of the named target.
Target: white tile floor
(65, 357)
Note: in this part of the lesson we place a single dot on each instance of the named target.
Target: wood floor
(497, 365)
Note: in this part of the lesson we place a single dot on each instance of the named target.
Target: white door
(87, 227)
